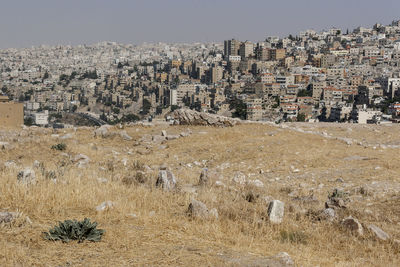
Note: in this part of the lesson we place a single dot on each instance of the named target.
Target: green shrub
(75, 230)
(60, 147)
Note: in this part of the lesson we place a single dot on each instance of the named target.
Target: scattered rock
(10, 164)
(276, 210)
(125, 136)
(191, 117)
(239, 178)
(105, 205)
(282, 259)
(198, 209)
(81, 160)
(328, 214)
(102, 180)
(204, 177)
(158, 138)
(337, 199)
(7, 217)
(166, 180)
(37, 164)
(355, 157)
(256, 183)
(27, 176)
(67, 136)
(184, 134)
(220, 184)
(353, 225)
(378, 232)
(164, 133)
(172, 137)
(5, 145)
(102, 131)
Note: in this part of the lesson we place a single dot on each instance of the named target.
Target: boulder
(158, 139)
(27, 176)
(81, 160)
(166, 180)
(172, 137)
(184, 134)
(239, 178)
(256, 183)
(353, 225)
(276, 210)
(204, 177)
(378, 232)
(191, 117)
(6, 217)
(125, 136)
(105, 205)
(328, 214)
(5, 145)
(337, 200)
(67, 136)
(198, 209)
(102, 131)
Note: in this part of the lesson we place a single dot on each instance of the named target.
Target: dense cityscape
(332, 75)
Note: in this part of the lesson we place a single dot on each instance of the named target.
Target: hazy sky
(24, 23)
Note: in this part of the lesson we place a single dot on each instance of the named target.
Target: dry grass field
(300, 164)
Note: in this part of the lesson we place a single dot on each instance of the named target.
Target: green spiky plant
(75, 230)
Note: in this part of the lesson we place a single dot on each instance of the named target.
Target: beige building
(254, 109)
(216, 74)
(231, 47)
(246, 50)
(11, 114)
(277, 54)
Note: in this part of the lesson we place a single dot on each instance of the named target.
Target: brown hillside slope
(300, 165)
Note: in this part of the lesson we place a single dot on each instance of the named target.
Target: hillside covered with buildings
(332, 75)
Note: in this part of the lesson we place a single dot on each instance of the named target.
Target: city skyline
(44, 22)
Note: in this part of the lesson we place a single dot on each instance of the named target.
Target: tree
(64, 77)
(277, 102)
(130, 118)
(116, 110)
(240, 109)
(301, 117)
(46, 75)
(174, 107)
(146, 107)
(304, 92)
(4, 89)
(103, 117)
(28, 121)
(73, 75)
(90, 75)
(74, 108)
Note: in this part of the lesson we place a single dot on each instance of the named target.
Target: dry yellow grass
(162, 233)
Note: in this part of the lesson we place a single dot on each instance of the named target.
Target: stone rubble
(191, 117)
